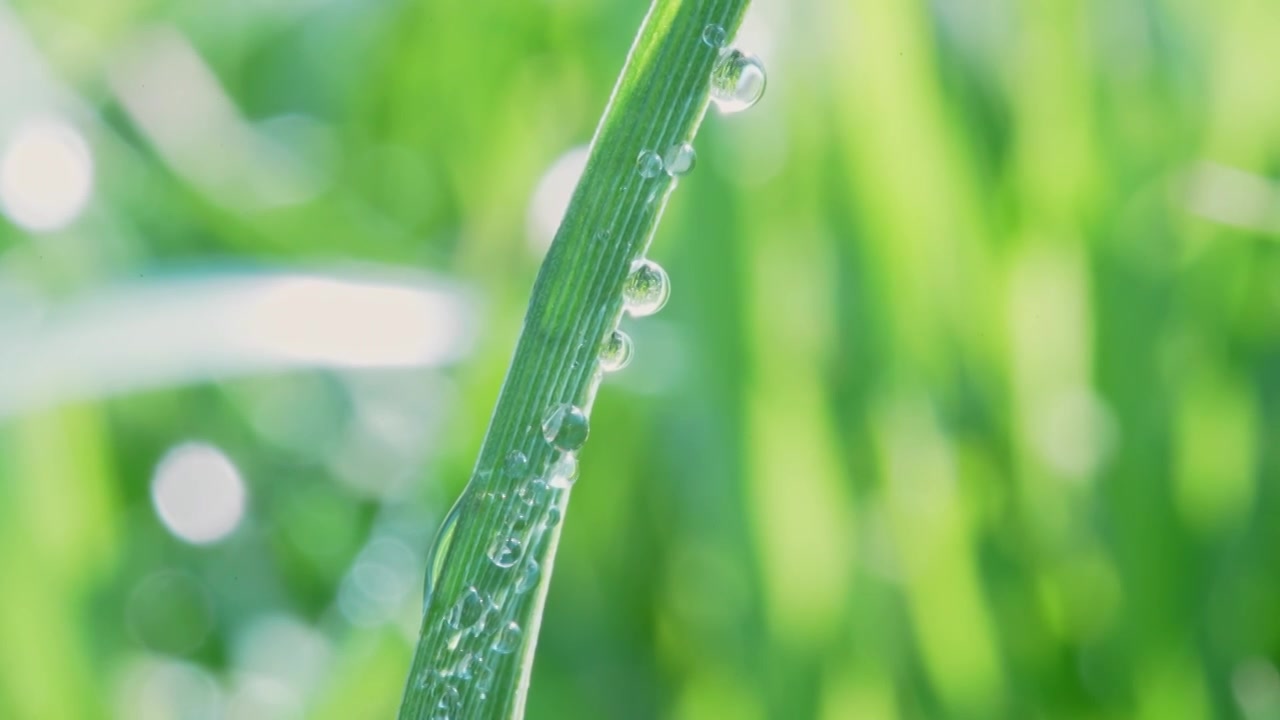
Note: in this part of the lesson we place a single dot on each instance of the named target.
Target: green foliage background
(966, 403)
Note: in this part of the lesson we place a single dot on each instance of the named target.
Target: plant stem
(469, 662)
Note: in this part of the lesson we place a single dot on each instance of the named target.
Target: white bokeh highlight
(46, 175)
(198, 493)
(552, 195)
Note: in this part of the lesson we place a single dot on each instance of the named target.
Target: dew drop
(468, 611)
(508, 639)
(439, 551)
(649, 163)
(602, 236)
(504, 551)
(534, 492)
(515, 464)
(714, 35)
(447, 704)
(563, 473)
(565, 426)
(646, 289)
(462, 668)
(528, 576)
(615, 351)
(519, 517)
(484, 679)
(680, 159)
(553, 517)
(737, 81)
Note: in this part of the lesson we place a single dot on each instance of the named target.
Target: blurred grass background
(966, 404)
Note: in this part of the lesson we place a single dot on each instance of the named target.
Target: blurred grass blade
(198, 327)
(489, 572)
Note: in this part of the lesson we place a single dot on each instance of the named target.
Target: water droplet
(468, 611)
(563, 472)
(462, 668)
(649, 163)
(519, 517)
(515, 464)
(737, 81)
(715, 36)
(447, 703)
(565, 426)
(528, 576)
(439, 550)
(646, 289)
(508, 639)
(534, 492)
(615, 351)
(680, 159)
(602, 235)
(504, 551)
(553, 517)
(484, 679)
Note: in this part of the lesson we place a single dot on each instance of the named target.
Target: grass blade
(488, 575)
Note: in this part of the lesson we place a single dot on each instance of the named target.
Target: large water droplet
(528, 576)
(715, 36)
(508, 639)
(646, 289)
(504, 550)
(680, 159)
(737, 81)
(515, 465)
(439, 550)
(649, 163)
(468, 611)
(615, 351)
(563, 473)
(565, 426)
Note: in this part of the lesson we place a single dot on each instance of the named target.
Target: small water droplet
(508, 639)
(737, 81)
(447, 703)
(566, 427)
(715, 36)
(519, 517)
(439, 551)
(553, 517)
(516, 464)
(646, 289)
(649, 163)
(469, 609)
(528, 576)
(615, 351)
(504, 550)
(534, 493)
(680, 159)
(462, 668)
(484, 678)
(563, 473)
(602, 235)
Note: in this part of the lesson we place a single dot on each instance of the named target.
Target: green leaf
(489, 570)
